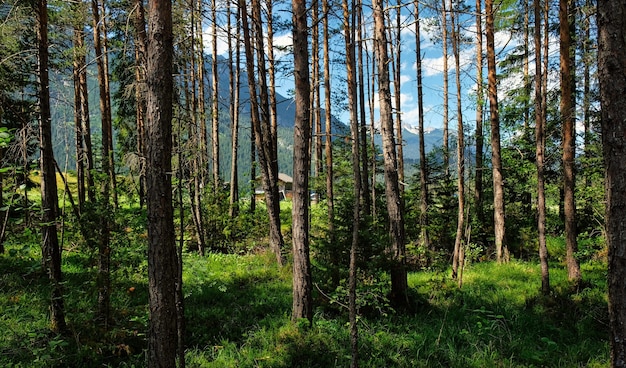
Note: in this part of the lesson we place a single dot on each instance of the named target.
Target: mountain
(63, 128)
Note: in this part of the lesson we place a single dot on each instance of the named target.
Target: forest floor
(238, 314)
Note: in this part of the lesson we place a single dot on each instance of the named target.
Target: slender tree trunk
(180, 298)
(271, 69)
(392, 191)
(162, 263)
(540, 154)
(140, 93)
(78, 67)
(588, 60)
(396, 64)
(444, 40)
(371, 80)
(612, 77)
(215, 100)
(302, 283)
(196, 77)
(51, 252)
(262, 131)
(328, 130)
(109, 111)
(502, 253)
(425, 239)
(203, 155)
(356, 174)
(457, 262)
(526, 66)
(568, 116)
(316, 100)
(349, 37)
(233, 77)
(480, 102)
(365, 189)
(104, 246)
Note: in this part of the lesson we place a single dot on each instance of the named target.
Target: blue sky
(432, 64)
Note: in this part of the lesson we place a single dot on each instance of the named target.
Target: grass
(238, 315)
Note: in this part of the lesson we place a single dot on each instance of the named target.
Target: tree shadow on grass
(219, 311)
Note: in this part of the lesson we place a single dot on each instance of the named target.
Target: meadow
(238, 307)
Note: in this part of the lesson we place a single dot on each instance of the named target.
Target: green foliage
(238, 314)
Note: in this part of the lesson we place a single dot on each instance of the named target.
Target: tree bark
(395, 211)
(365, 177)
(540, 154)
(140, 95)
(233, 79)
(396, 64)
(502, 253)
(51, 252)
(104, 247)
(162, 264)
(423, 219)
(444, 40)
(79, 66)
(480, 102)
(568, 116)
(328, 130)
(612, 77)
(264, 140)
(457, 262)
(215, 100)
(302, 283)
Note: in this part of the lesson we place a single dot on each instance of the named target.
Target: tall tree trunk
(50, 250)
(356, 211)
(264, 140)
(395, 211)
(198, 121)
(233, 79)
(367, 199)
(588, 61)
(540, 154)
(271, 69)
(612, 77)
(423, 221)
(444, 40)
(109, 111)
(330, 198)
(349, 37)
(316, 103)
(215, 100)
(140, 92)
(162, 264)
(502, 253)
(77, 68)
(526, 66)
(371, 80)
(396, 65)
(203, 159)
(302, 283)
(480, 102)
(104, 247)
(568, 116)
(457, 262)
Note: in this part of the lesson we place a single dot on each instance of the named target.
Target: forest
(331, 183)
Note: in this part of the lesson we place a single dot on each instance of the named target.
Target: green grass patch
(238, 314)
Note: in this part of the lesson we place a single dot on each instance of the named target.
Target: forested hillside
(172, 194)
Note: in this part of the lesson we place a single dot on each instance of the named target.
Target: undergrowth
(238, 315)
